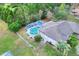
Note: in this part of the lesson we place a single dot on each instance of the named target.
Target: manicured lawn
(7, 42)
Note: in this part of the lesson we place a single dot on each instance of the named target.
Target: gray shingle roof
(7, 53)
(59, 30)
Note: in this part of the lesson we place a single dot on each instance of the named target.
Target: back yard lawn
(10, 41)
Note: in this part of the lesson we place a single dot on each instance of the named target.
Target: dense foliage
(27, 13)
(15, 26)
(73, 41)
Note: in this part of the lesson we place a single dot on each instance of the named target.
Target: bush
(15, 26)
(72, 41)
(38, 38)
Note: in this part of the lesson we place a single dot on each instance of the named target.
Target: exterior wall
(47, 39)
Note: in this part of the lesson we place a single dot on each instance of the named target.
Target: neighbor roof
(59, 30)
(75, 11)
(7, 53)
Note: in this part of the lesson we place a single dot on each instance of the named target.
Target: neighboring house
(58, 31)
(75, 10)
(7, 53)
(32, 29)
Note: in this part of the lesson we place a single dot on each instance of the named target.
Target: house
(75, 9)
(7, 53)
(54, 32)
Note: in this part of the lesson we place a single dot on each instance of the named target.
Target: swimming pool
(33, 31)
(33, 28)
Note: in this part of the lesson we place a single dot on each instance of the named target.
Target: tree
(73, 41)
(21, 13)
(15, 26)
(7, 12)
(61, 12)
(37, 38)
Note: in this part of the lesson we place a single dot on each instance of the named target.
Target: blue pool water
(33, 28)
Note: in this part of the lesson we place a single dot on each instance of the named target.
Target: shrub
(72, 41)
(15, 26)
(38, 38)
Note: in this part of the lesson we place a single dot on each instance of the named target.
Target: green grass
(23, 52)
(21, 49)
(7, 42)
